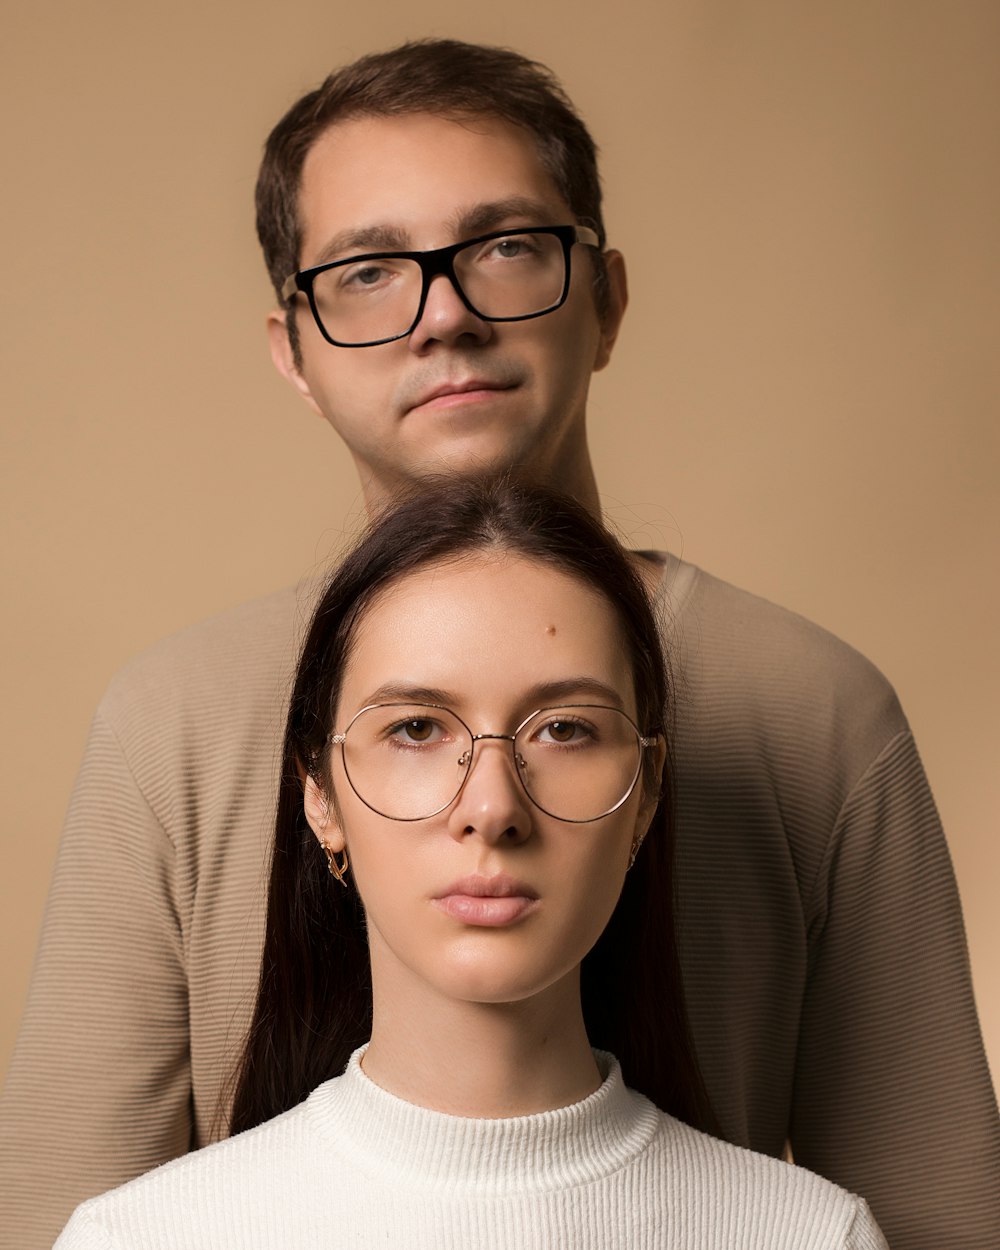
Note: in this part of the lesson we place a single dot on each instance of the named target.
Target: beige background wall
(804, 399)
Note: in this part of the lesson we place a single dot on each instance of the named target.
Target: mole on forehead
(551, 629)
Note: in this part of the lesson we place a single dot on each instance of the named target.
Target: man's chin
(474, 465)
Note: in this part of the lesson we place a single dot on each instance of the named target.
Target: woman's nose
(492, 802)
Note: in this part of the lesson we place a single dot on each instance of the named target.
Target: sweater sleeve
(99, 1086)
(892, 1091)
(83, 1233)
(864, 1233)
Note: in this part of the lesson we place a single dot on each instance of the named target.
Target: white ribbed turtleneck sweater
(355, 1167)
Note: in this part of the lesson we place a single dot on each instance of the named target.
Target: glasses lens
(578, 763)
(517, 275)
(406, 761)
(368, 300)
(372, 299)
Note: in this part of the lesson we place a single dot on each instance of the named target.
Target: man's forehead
(464, 223)
(380, 182)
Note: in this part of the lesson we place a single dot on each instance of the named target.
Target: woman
(470, 890)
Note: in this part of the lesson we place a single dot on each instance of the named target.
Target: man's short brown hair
(443, 77)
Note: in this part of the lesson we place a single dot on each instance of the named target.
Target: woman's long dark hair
(314, 1001)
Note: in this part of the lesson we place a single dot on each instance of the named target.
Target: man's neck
(575, 479)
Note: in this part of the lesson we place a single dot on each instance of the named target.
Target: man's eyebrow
(363, 239)
(467, 223)
(514, 210)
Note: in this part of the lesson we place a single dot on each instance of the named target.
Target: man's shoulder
(746, 623)
(237, 654)
(770, 662)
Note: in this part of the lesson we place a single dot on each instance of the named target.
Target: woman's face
(491, 899)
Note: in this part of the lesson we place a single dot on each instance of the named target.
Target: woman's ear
(321, 813)
(650, 793)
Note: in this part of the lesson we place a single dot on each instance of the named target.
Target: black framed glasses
(377, 297)
(409, 761)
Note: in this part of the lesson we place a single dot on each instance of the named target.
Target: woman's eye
(563, 732)
(417, 730)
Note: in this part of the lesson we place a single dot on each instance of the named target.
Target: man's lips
(451, 394)
(487, 901)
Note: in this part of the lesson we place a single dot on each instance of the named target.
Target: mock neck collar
(411, 1145)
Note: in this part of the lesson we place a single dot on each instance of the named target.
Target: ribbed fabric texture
(355, 1167)
(822, 942)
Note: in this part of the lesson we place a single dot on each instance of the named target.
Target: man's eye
(509, 248)
(363, 275)
(517, 247)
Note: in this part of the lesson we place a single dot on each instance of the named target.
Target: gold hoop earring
(336, 870)
(636, 844)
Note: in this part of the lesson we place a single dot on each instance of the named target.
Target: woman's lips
(489, 912)
(489, 901)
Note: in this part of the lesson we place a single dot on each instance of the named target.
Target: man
(431, 220)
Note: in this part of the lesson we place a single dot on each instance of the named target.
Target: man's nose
(446, 319)
(492, 803)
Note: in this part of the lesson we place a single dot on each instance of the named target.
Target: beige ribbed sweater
(354, 1168)
(822, 941)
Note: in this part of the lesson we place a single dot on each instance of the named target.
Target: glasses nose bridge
(439, 263)
(494, 737)
(468, 757)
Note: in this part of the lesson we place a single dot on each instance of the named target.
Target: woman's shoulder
(185, 1197)
(753, 1200)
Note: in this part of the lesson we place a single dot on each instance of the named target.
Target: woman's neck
(483, 1060)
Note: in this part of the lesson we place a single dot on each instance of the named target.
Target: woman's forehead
(488, 628)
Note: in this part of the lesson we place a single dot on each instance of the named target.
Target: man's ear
(617, 301)
(284, 358)
(321, 814)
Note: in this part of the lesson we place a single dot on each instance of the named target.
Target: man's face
(459, 394)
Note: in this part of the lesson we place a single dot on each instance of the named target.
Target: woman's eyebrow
(544, 694)
(570, 688)
(403, 692)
